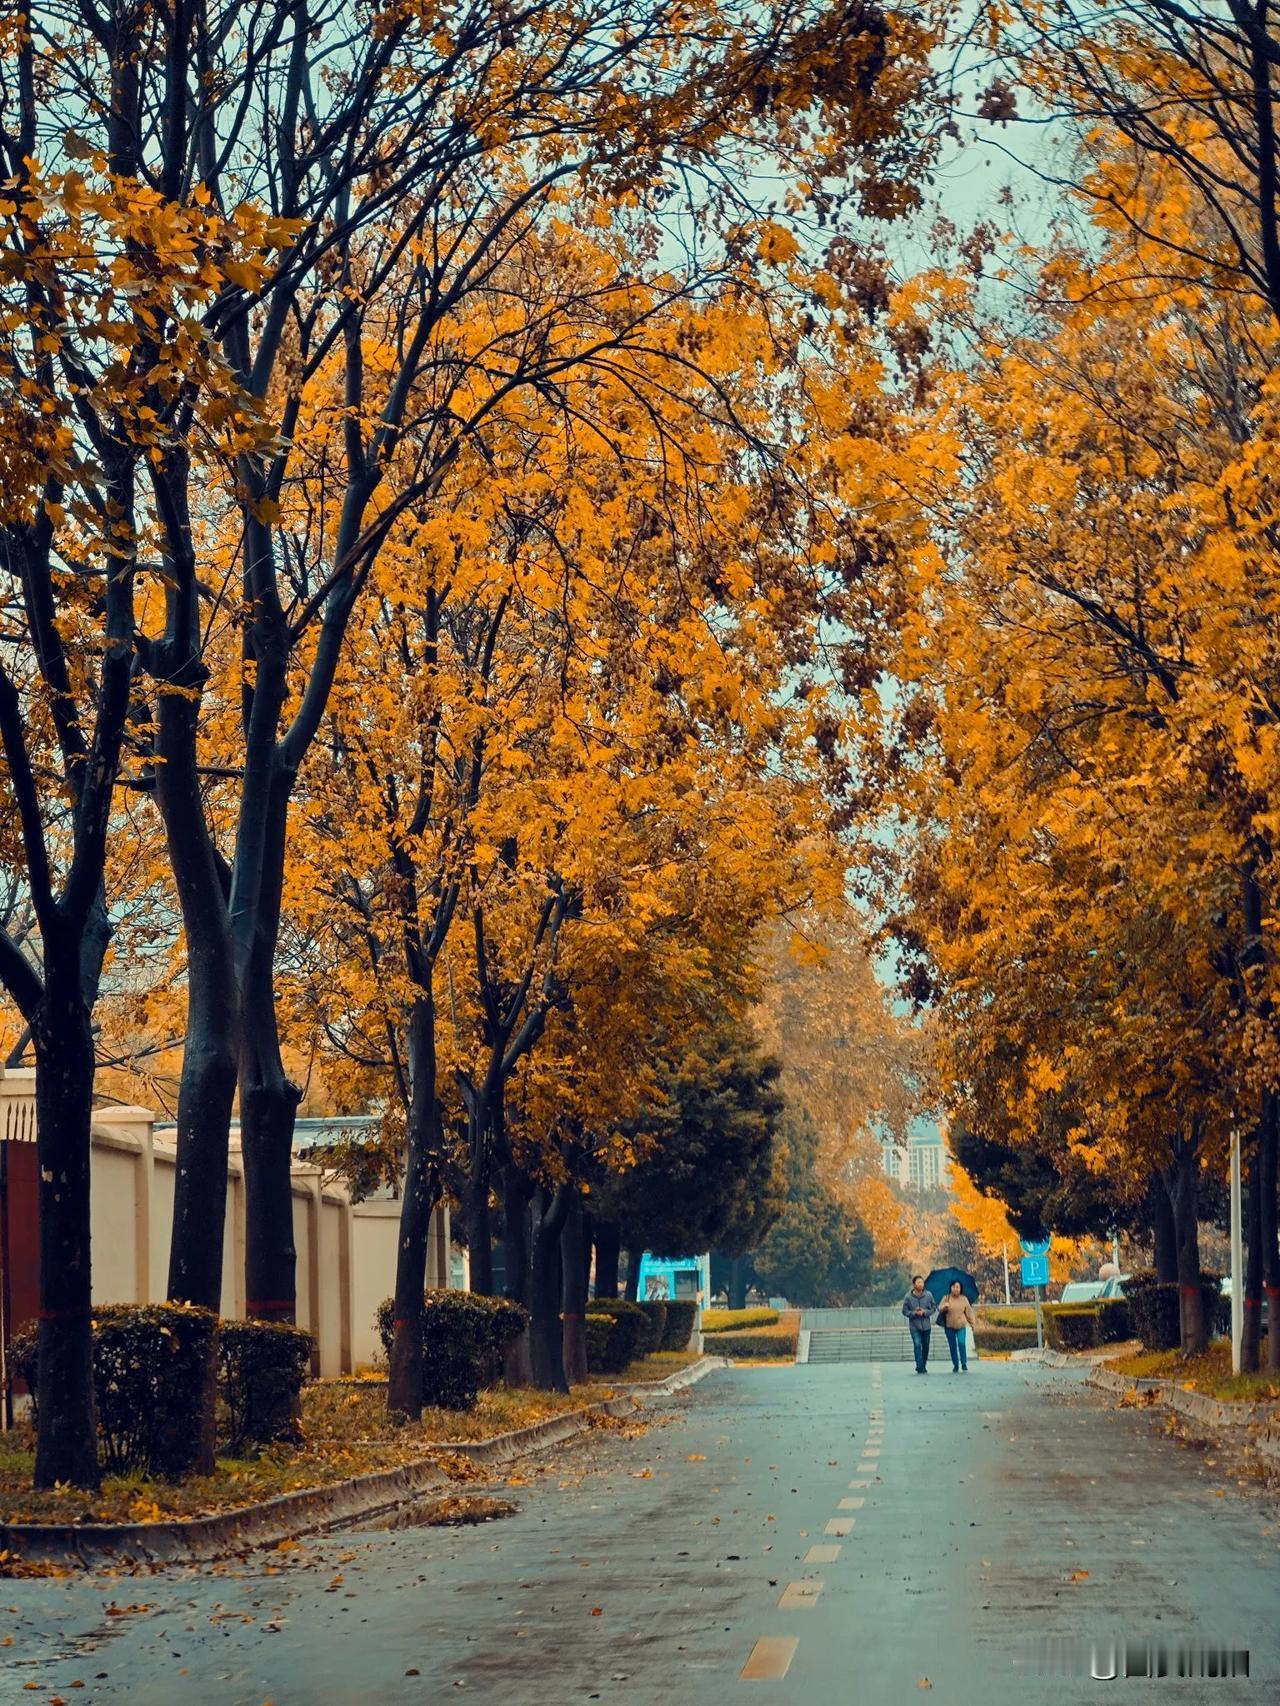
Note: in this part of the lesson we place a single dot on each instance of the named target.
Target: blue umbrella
(941, 1280)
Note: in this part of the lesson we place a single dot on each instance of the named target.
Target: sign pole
(1237, 1256)
(1004, 1252)
(1039, 1323)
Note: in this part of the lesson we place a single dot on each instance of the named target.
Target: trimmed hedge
(737, 1320)
(261, 1368)
(656, 1311)
(1072, 1326)
(1154, 1308)
(682, 1312)
(1008, 1315)
(1004, 1338)
(599, 1327)
(463, 1338)
(647, 1333)
(757, 1342)
(150, 1366)
(618, 1348)
(1115, 1320)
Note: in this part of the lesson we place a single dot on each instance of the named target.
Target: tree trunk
(632, 1292)
(268, 1100)
(545, 1331)
(573, 1298)
(405, 1394)
(479, 1234)
(738, 1283)
(1251, 1340)
(1270, 1243)
(268, 1109)
(62, 1040)
(517, 1194)
(206, 1088)
(1185, 1196)
(608, 1242)
(1164, 1233)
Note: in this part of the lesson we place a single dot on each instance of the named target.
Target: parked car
(1093, 1291)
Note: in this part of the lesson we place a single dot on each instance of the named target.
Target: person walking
(955, 1315)
(918, 1307)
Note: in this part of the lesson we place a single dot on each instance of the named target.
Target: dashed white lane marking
(865, 1482)
(841, 1525)
(770, 1659)
(851, 1504)
(822, 1555)
(871, 1451)
(868, 1468)
(800, 1596)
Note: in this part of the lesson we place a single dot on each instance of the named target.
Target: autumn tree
(1085, 856)
(816, 1254)
(105, 282)
(703, 1177)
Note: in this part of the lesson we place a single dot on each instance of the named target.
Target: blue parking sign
(1035, 1270)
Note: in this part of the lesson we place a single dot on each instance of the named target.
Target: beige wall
(346, 1253)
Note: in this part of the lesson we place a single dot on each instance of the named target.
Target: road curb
(1209, 1413)
(194, 1540)
(1067, 1359)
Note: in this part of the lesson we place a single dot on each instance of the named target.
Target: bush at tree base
(599, 1329)
(681, 1314)
(151, 1364)
(261, 1368)
(1115, 1320)
(656, 1314)
(463, 1337)
(618, 1349)
(645, 1338)
(1155, 1308)
(1072, 1326)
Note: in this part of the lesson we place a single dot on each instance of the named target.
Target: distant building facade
(918, 1165)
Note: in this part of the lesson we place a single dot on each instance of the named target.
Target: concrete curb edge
(1198, 1407)
(312, 1509)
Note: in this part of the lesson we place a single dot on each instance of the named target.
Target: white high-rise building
(920, 1164)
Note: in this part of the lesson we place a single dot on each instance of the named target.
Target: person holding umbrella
(955, 1314)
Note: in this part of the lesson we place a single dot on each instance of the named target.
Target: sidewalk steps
(860, 1344)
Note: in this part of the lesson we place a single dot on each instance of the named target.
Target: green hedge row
(1004, 1338)
(681, 1314)
(1155, 1309)
(1085, 1326)
(464, 1336)
(756, 1342)
(1008, 1315)
(737, 1320)
(152, 1363)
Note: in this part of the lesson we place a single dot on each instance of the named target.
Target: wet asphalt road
(999, 1508)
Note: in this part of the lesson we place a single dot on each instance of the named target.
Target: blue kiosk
(664, 1277)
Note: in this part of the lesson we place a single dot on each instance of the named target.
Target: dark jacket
(918, 1307)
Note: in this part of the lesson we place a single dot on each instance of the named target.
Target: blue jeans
(920, 1345)
(958, 1346)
